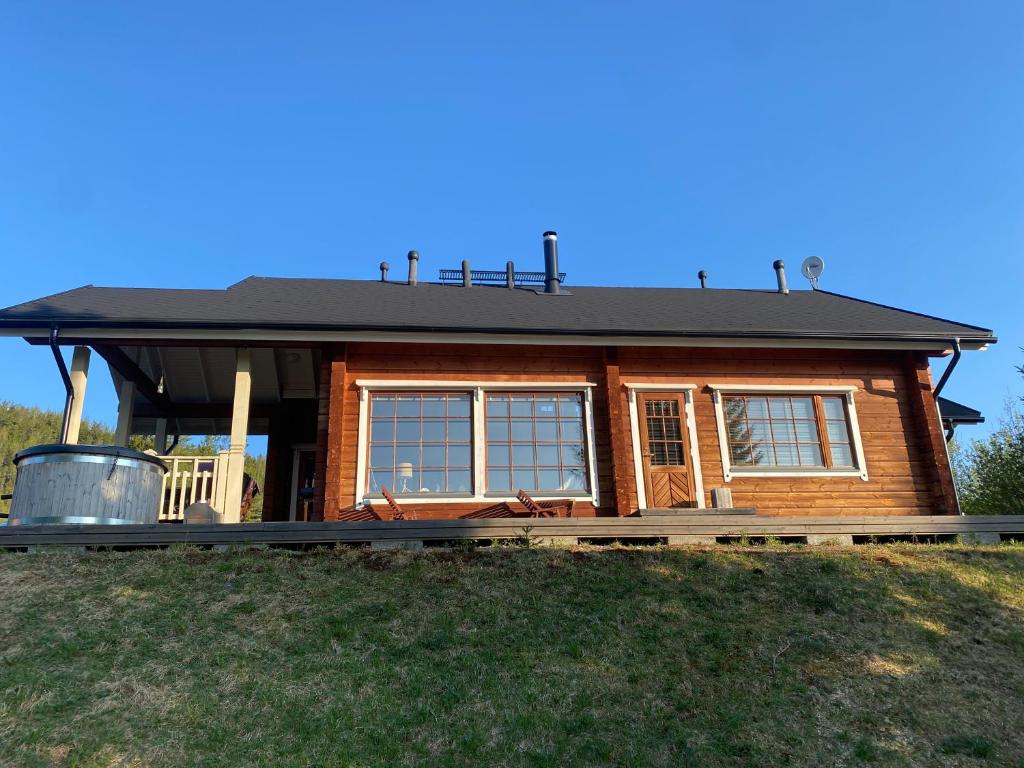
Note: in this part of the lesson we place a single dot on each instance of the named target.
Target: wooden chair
(552, 508)
(501, 509)
(357, 513)
(396, 511)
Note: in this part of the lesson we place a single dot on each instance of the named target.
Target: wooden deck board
(326, 533)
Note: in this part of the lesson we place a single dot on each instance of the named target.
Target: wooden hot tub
(86, 484)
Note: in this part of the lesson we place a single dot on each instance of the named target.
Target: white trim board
(659, 387)
(729, 472)
(935, 346)
(487, 384)
(813, 389)
(687, 391)
(479, 440)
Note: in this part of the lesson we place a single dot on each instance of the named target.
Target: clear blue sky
(192, 144)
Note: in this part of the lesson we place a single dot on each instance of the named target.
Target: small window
(535, 442)
(420, 443)
(788, 432)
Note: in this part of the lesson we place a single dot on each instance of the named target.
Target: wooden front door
(665, 449)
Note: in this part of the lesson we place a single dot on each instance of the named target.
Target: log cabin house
(458, 393)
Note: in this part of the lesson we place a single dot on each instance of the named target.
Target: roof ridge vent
(494, 276)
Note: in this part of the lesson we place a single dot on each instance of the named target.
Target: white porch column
(79, 378)
(125, 408)
(239, 430)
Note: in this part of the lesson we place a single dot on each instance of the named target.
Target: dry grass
(890, 656)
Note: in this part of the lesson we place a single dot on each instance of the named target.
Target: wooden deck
(679, 529)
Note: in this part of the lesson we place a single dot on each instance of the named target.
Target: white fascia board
(937, 346)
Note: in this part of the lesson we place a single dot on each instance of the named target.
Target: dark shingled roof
(308, 304)
(950, 410)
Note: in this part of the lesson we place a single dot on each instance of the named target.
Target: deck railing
(190, 479)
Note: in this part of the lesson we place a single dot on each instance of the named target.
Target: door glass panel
(664, 433)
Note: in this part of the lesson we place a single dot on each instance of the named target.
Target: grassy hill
(730, 656)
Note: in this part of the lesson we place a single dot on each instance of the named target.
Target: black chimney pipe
(552, 284)
(703, 277)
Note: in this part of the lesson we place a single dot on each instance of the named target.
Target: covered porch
(171, 391)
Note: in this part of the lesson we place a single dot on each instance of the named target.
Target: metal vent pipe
(780, 274)
(552, 284)
(703, 277)
(467, 276)
(414, 259)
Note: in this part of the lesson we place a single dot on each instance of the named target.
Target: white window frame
(477, 389)
(687, 391)
(730, 472)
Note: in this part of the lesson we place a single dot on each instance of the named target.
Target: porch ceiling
(199, 385)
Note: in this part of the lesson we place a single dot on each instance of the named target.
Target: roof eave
(39, 327)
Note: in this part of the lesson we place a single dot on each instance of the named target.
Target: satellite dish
(812, 268)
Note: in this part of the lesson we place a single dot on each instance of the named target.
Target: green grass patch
(730, 656)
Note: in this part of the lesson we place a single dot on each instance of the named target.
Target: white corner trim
(729, 472)
(446, 384)
(362, 441)
(479, 445)
(479, 432)
(638, 461)
(691, 428)
(588, 409)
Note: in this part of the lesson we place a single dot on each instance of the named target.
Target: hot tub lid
(117, 451)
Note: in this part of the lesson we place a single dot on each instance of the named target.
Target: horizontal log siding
(491, 363)
(900, 460)
(899, 454)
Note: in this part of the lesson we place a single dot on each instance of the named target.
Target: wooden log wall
(904, 452)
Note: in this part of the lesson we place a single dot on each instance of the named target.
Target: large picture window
(788, 431)
(421, 443)
(471, 440)
(535, 442)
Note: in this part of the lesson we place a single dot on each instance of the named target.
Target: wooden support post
(160, 437)
(330, 422)
(79, 378)
(239, 431)
(621, 462)
(931, 438)
(125, 407)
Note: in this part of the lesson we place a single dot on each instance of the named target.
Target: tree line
(990, 472)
